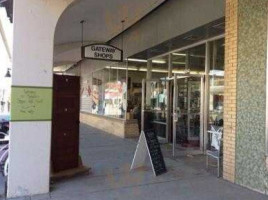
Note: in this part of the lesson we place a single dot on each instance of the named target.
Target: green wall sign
(31, 104)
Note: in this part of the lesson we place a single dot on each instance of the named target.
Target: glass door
(154, 107)
(188, 101)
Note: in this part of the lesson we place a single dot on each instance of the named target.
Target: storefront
(178, 94)
(187, 65)
(193, 70)
(104, 98)
(188, 99)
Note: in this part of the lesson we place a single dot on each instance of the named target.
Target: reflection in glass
(110, 91)
(216, 95)
(189, 61)
(160, 67)
(188, 108)
(156, 107)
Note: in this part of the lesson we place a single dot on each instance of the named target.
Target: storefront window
(117, 89)
(159, 67)
(137, 71)
(189, 61)
(110, 91)
(216, 95)
(156, 97)
(98, 83)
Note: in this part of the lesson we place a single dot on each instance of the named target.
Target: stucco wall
(30, 136)
(250, 140)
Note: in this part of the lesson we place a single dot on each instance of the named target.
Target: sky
(6, 29)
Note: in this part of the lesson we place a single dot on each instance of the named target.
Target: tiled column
(231, 45)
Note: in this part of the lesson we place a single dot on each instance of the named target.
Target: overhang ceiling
(204, 32)
(102, 23)
(103, 18)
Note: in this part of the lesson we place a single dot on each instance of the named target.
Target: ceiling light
(179, 54)
(123, 68)
(143, 69)
(179, 63)
(137, 60)
(159, 70)
(178, 71)
(159, 61)
(145, 61)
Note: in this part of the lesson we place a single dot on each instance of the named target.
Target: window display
(109, 92)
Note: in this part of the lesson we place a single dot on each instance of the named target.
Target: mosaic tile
(251, 96)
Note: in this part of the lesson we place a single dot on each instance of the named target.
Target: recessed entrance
(173, 107)
(183, 104)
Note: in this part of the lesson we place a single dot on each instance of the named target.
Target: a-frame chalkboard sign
(149, 145)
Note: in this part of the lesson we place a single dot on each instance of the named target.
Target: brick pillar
(231, 45)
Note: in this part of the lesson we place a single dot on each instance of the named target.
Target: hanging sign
(102, 52)
(148, 145)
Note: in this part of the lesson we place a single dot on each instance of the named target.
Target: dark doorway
(65, 123)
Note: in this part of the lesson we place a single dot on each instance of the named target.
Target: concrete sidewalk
(110, 158)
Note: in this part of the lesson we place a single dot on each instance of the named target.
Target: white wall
(34, 26)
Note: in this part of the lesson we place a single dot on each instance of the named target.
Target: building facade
(204, 63)
(241, 28)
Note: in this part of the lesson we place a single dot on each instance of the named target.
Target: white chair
(6, 167)
(215, 152)
(3, 159)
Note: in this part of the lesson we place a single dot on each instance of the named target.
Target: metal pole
(175, 116)
(202, 96)
(206, 93)
(148, 86)
(189, 88)
(82, 44)
(142, 104)
(169, 112)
